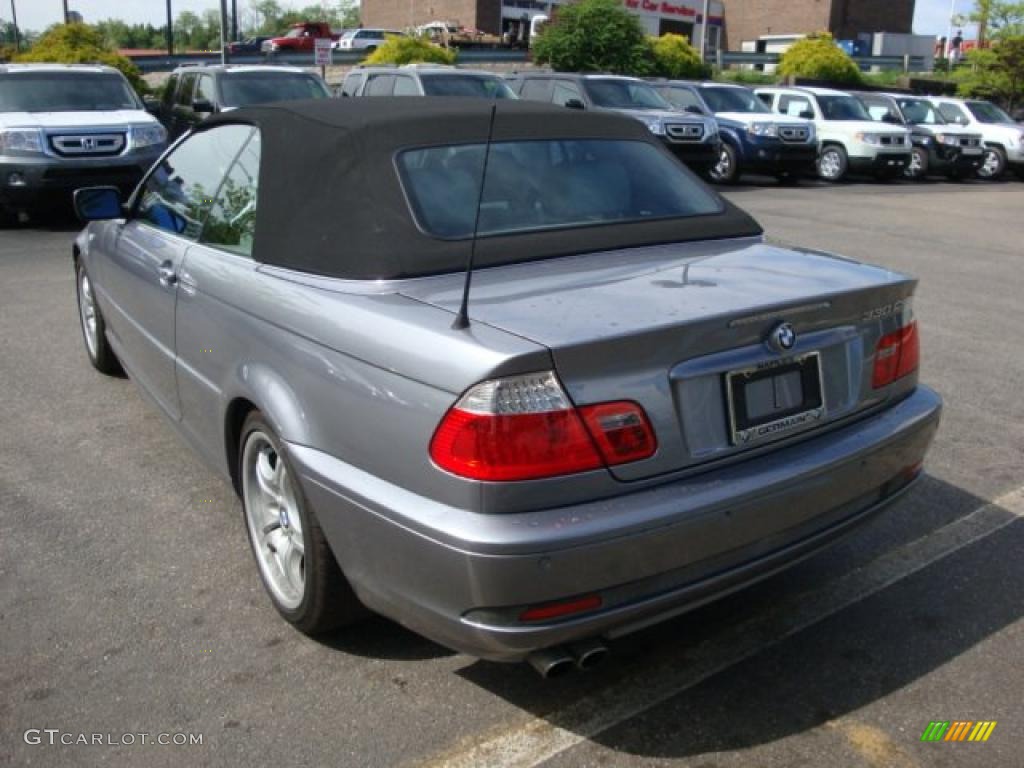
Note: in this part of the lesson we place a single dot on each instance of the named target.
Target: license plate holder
(768, 401)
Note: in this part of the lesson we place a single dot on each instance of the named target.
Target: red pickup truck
(299, 37)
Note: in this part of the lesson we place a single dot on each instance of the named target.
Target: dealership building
(735, 24)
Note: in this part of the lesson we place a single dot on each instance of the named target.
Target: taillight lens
(525, 428)
(897, 355)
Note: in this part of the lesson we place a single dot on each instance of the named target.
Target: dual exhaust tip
(558, 661)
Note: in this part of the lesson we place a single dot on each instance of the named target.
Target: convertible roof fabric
(331, 202)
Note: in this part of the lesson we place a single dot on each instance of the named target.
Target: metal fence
(482, 55)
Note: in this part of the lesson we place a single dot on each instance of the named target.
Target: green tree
(817, 56)
(594, 36)
(408, 50)
(1001, 18)
(186, 27)
(674, 57)
(995, 73)
(81, 44)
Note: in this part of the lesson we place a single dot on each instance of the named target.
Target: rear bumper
(462, 578)
(25, 181)
(699, 156)
(892, 163)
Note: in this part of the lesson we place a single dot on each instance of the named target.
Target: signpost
(323, 54)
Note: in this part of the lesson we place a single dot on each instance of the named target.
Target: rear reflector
(897, 355)
(525, 428)
(558, 610)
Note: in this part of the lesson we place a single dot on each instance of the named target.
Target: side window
(206, 91)
(231, 222)
(564, 91)
(536, 90)
(350, 87)
(379, 85)
(180, 190)
(953, 114)
(169, 88)
(766, 98)
(405, 86)
(188, 84)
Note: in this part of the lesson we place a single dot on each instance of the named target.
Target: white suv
(1004, 139)
(67, 126)
(365, 39)
(850, 140)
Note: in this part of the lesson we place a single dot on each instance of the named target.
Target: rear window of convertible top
(547, 184)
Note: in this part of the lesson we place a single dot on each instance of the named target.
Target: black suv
(193, 93)
(692, 138)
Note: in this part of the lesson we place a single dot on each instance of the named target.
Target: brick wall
(750, 19)
(850, 17)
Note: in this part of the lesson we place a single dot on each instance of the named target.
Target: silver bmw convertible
(506, 373)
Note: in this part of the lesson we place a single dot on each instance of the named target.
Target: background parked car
(66, 126)
(692, 138)
(754, 139)
(1004, 139)
(364, 39)
(424, 80)
(939, 147)
(850, 140)
(249, 45)
(193, 93)
(300, 37)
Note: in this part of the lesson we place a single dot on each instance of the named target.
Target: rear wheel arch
(234, 419)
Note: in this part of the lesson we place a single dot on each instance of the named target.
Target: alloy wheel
(87, 312)
(829, 165)
(274, 521)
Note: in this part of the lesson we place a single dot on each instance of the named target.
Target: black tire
(98, 350)
(726, 170)
(919, 157)
(328, 601)
(993, 163)
(830, 170)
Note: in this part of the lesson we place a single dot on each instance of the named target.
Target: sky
(930, 18)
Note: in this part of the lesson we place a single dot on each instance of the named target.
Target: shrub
(399, 50)
(82, 44)
(674, 57)
(818, 57)
(995, 73)
(594, 36)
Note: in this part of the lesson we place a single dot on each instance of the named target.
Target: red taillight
(525, 428)
(560, 609)
(621, 431)
(897, 354)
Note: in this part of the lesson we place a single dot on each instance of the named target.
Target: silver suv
(68, 126)
(424, 80)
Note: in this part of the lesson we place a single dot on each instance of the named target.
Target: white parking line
(540, 739)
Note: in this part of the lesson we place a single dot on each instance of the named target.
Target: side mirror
(151, 104)
(806, 114)
(575, 104)
(890, 118)
(203, 106)
(98, 203)
(693, 109)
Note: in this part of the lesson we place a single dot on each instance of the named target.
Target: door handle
(168, 276)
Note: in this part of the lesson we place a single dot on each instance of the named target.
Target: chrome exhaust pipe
(550, 662)
(588, 653)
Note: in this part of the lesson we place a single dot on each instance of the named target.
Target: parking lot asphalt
(129, 602)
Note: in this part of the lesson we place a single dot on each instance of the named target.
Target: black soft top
(331, 203)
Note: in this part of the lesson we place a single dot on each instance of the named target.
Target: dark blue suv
(754, 139)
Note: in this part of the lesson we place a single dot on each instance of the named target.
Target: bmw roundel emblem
(782, 338)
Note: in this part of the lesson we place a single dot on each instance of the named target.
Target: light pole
(170, 30)
(65, 11)
(949, 37)
(14, 21)
(704, 29)
(223, 31)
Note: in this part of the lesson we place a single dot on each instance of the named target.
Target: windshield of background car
(842, 108)
(66, 92)
(624, 94)
(921, 112)
(547, 184)
(987, 112)
(242, 89)
(733, 100)
(466, 85)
